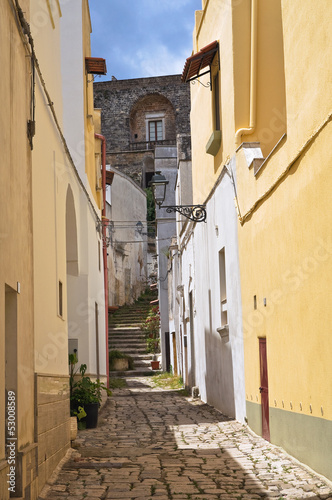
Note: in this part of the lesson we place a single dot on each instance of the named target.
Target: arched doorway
(72, 272)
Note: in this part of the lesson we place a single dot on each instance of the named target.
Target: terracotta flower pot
(155, 365)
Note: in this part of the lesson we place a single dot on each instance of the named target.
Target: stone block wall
(125, 105)
(53, 423)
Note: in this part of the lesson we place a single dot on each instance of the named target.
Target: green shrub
(114, 354)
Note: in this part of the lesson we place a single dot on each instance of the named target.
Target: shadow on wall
(219, 380)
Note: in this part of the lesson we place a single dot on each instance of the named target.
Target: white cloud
(160, 62)
(156, 6)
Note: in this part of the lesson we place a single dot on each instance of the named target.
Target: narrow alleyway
(151, 443)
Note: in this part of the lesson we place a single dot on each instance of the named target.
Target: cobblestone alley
(156, 444)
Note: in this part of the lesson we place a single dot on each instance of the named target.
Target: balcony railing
(142, 145)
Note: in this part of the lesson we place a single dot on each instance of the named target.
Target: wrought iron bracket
(193, 82)
(208, 72)
(196, 213)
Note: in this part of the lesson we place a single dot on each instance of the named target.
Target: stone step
(131, 350)
(139, 372)
(131, 312)
(126, 350)
(127, 335)
(127, 343)
(142, 363)
(126, 331)
(126, 325)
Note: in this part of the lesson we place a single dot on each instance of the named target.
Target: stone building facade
(143, 119)
(138, 114)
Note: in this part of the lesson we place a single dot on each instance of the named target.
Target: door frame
(264, 388)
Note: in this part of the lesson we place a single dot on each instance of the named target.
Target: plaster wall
(67, 279)
(127, 258)
(219, 370)
(73, 95)
(166, 163)
(231, 26)
(285, 248)
(86, 302)
(16, 262)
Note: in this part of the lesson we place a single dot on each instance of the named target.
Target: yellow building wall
(92, 166)
(285, 246)
(285, 235)
(214, 23)
(51, 176)
(230, 24)
(16, 261)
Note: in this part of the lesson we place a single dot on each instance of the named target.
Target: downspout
(253, 77)
(103, 216)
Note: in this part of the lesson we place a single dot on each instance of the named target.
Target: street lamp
(196, 213)
(158, 183)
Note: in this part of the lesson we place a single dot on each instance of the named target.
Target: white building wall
(166, 163)
(219, 365)
(86, 290)
(72, 71)
(128, 249)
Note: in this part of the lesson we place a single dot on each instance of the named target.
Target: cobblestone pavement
(158, 445)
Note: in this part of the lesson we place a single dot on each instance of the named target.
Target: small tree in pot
(151, 329)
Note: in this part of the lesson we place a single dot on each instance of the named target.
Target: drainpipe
(253, 77)
(103, 216)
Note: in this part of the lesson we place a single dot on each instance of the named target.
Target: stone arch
(152, 106)
(71, 235)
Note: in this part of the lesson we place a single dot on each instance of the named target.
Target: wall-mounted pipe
(103, 213)
(253, 77)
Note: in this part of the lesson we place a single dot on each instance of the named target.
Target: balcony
(143, 145)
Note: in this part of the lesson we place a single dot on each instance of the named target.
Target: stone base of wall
(25, 482)
(306, 438)
(53, 423)
(4, 469)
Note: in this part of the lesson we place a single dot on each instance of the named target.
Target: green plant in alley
(167, 380)
(79, 413)
(150, 326)
(115, 354)
(117, 383)
(84, 390)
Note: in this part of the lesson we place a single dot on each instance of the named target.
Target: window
(156, 130)
(60, 300)
(216, 102)
(213, 145)
(223, 294)
(155, 126)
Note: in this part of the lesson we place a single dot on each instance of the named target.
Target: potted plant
(85, 393)
(151, 329)
(153, 347)
(150, 326)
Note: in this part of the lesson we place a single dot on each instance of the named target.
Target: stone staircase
(125, 335)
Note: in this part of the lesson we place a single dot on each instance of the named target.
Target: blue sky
(141, 38)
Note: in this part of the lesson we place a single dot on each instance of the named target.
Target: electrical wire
(24, 28)
(139, 241)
